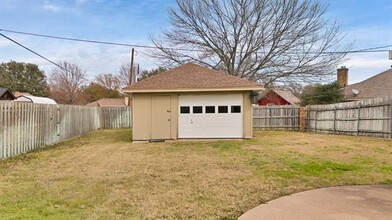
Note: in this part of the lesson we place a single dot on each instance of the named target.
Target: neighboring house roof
(17, 94)
(376, 86)
(192, 77)
(288, 96)
(108, 102)
(35, 99)
(3, 91)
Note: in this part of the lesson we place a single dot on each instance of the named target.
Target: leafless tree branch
(67, 81)
(261, 40)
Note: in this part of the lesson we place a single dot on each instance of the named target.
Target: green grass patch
(102, 175)
(316, 167)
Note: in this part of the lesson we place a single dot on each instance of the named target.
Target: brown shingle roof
(376, 86)
(192, 77)
(108, 102)
(288, 96)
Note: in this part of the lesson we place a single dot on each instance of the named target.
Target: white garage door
(210, 116)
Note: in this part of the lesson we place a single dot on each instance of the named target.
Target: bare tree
(109, 81)
(125, 71)
(293, 87)
(261, 40)
(66, 82)
(124, 74)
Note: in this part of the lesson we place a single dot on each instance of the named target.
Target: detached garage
(192, 101)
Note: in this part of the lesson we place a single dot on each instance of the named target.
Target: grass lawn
(104, 176)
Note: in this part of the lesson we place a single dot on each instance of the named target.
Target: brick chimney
(342, 76)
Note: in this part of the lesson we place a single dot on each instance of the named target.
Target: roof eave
(193, 90)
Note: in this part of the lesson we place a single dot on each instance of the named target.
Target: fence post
(58, 124)
(270, 113)
(302, 119)
(358, 118)
(308, 118)
(390, 120)
(315, 121)
(334, 120)
(1, 130)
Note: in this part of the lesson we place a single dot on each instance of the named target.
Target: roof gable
(6, 93)
(376, 86)
(288, 96)
(192, 77)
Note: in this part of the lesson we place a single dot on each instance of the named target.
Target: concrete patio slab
(340, 203)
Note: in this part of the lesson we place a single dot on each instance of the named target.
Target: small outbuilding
(6, 95)
(35, 99)
(192, 101)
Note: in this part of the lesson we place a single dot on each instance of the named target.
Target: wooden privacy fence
(370, 117)
(276, 117)
(26, 126)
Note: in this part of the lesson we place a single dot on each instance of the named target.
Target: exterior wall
(141, 105)
(248, 119)
(272, 98)
(141, 108)
(141, 117)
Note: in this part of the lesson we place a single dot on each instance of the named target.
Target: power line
(141, 54)
(364, 50)
(33, 52)
(375, 48)
(95, 41)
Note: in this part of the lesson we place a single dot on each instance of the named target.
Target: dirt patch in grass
(104, 176)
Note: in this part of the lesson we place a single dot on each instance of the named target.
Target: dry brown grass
(104, 176)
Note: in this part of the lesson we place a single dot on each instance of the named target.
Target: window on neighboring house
(185, 109)
(223, 109)
(197, 109)
(235, 109)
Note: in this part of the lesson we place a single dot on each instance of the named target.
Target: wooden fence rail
(26, 126)
(276, 117)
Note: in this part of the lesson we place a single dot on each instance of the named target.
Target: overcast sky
(367, 23)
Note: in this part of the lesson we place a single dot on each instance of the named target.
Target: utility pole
(138, 72)
(131, 75)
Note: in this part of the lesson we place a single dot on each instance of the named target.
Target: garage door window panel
(223, 109)
(210, 109)
(185, 109)
(197, 109)
(235, 109)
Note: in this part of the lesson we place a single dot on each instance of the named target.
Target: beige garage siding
(141, 105)
(248, 121)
